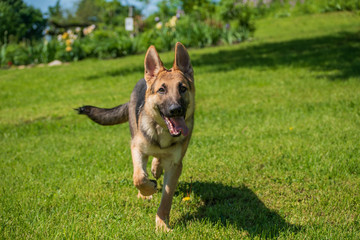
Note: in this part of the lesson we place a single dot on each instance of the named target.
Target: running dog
(161, 118)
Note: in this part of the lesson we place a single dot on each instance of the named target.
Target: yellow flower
(68, 48)
(172, 22)
(68, 42)
(186, 199)
(65, 35)
(291, 128)
(159, 25)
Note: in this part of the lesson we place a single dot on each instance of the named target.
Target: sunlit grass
(275, 151)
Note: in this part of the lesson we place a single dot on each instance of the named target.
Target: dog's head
(170, 92)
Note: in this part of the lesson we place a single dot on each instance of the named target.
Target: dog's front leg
(171, 177)
(146, 186)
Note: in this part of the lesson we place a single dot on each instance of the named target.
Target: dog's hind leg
(156, 168)
(146, 186)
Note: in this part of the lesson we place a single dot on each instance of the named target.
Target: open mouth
(176, 125)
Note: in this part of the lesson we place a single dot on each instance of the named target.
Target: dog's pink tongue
(180, 125)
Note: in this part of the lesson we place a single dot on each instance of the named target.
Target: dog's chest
(165, 140)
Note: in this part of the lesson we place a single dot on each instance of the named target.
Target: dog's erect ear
(152, 63)
(182, 60)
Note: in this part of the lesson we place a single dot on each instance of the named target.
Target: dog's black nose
(175, 110)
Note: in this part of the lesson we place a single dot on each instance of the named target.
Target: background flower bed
(199, 23)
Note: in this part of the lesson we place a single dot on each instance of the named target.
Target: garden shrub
(229, 21)
(196, 33)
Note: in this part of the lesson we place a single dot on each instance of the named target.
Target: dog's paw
(154, 182)
(140, 196)
(148, 188)
(162, 224)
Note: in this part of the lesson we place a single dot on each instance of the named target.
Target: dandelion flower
(68, 48)
(186, 199)
(291, 128)
(68, 42)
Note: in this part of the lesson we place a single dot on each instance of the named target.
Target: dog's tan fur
(150, 134)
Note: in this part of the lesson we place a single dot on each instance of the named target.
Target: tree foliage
(88, 10)
(19, 21)
(201, 8)
(56, 13)
(99, 12)
(238, 11)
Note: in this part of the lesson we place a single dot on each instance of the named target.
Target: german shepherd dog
(161, 118)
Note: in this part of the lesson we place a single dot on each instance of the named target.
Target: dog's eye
(183, 89)
(161, 90)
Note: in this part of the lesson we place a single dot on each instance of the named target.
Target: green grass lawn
(275, 151)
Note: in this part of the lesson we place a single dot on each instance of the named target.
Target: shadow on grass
(339, 52)
(239, 207)
(116, 73)
(121, 71)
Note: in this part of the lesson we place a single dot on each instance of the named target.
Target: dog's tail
(106, 116)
